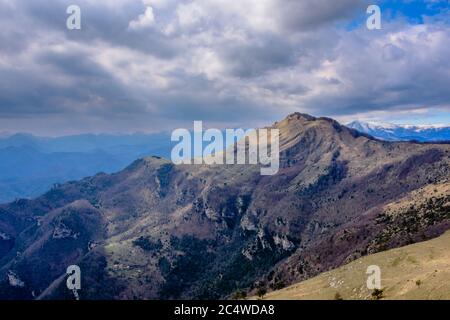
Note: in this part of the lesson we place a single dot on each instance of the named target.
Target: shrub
(239, 295)
(278, 285)
(338, 296)
(147, 244)
(261, 292)
(377, 294)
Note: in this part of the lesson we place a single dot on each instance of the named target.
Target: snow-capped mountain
(395, 132)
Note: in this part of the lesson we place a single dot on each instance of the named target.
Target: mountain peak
(300, 116)
(306, 118)
(297, 122)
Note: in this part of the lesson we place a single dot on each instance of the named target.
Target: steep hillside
(155, 230)
(419, 271)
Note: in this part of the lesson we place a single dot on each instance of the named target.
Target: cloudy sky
(149, 65)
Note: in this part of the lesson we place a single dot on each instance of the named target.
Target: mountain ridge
(155, 230)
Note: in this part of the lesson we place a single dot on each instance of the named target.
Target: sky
(156, 65)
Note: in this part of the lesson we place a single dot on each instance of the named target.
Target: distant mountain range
(31, 165)
(394, 132)
(159, 231)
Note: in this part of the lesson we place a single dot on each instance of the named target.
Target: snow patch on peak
(402, 132)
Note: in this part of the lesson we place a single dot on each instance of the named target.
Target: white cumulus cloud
(145, 20)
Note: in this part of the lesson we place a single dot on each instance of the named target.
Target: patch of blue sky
(409, 11)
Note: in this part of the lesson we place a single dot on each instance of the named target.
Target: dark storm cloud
(297, 15)
(190, 106)
(254, 58)
(102, 23)
(287, 88)
(13, 41)
(86, 87)
(192, 98)
(215, 60)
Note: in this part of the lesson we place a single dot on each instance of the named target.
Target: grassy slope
(418, 271)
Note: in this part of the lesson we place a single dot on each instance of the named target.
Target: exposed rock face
(155, 230)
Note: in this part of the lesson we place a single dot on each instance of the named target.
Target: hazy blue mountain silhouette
(31, 165)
